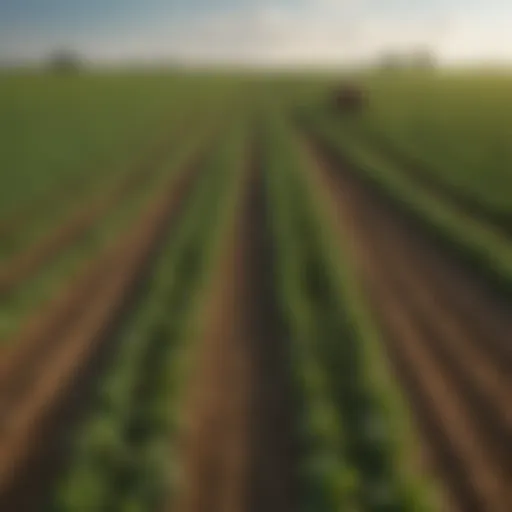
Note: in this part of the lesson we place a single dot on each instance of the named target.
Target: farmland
(217, 293)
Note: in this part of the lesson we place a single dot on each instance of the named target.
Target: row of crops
(92, 177)
(123, 459)
(351, 427)
(60, 132)
(438, 146)
(356, 447)
(456, 125)
(73, 229)
(453, 126)
(485, 249)
(350, 424)
(41, 285)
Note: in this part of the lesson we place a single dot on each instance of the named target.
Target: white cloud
(314, 31)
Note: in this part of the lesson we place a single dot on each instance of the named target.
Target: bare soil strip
(502, 221)
(20, 267)
(40, 375)
(27, 214)
(446, 335)
(237, 447)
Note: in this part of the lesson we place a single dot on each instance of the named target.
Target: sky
(263, 32)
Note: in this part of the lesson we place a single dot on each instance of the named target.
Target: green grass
(459, 127)
(56, 129)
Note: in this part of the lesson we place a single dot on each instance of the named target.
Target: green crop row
(80, 188)
(123, 459)
(351, 440)
(486, 250)
(458, 126)
(56, 130)
(324, 477)
(455, 126)
(33, 293)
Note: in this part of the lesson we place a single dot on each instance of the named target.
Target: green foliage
(350, 448)
(55, 130)
(34, 292)
(123, 458)
(350, 423)
(486, 250)
(457, 126)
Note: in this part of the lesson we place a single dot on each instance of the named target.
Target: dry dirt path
(237, 451)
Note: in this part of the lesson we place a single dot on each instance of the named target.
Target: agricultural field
(221, 293)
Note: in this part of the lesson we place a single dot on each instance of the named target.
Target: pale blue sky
(255, 31)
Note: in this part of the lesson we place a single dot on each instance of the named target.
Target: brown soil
(237, 446)
(471, 206)
(447, 336)
(20, 267)
(26, 215)
(40, 375)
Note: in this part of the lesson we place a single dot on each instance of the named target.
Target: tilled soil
(448, 337)
(41, 374)
(237, 447)
(500, 220)
(20, 267)
(23, 217)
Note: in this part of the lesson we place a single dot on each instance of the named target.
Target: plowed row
(20, 267)
(448, 337)
(39, 376)
(501, 221)
(27, 214)
(237, 453)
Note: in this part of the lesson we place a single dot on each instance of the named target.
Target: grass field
(458, 126)
(218, 293)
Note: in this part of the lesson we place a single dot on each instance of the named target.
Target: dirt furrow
(465, 293)
(22, 266)
(463, 296)
(41, 333)
(36, 392)
(470, 309)
(237, 452)
(452, 342)
(446, 370)
(471, 206)
(27, 214)
(485, 488)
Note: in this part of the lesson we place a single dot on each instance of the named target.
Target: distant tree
(423, 59)
(391, 61)
(65, 62)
